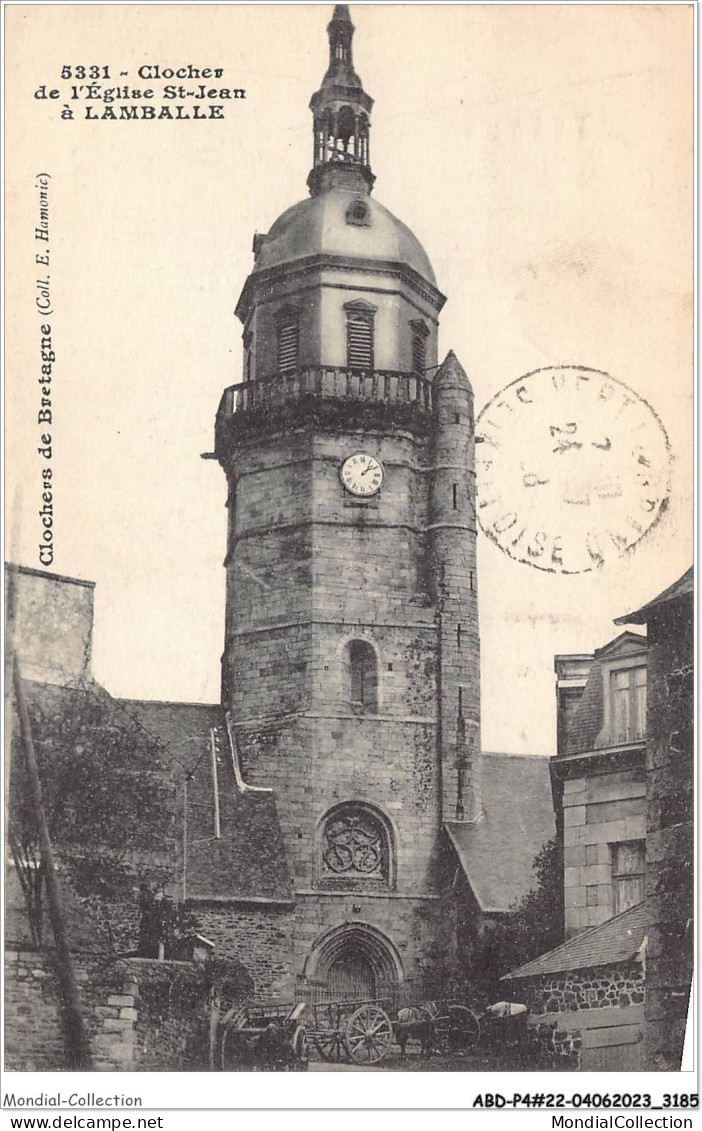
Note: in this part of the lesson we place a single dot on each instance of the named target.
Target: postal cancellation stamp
(573, 469)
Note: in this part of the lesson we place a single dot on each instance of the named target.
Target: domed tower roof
(340, 219)
(341, 222)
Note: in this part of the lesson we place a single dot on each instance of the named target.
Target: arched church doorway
(354, 962)
(351, 977)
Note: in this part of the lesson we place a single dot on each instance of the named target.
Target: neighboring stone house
(669, 618)
(591, 987)
(599, 785)
(623, 784)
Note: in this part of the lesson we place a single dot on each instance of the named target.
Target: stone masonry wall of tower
(351, 659)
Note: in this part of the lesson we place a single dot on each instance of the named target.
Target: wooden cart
(357, 1031)
(261, 1037)
(275, 1036)
(457, 1026)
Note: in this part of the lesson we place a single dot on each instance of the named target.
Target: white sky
(541, 154)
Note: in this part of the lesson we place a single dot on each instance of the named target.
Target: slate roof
(497, 852)
(589, 715)
(681, 588)
(587, 720)
(617, 940)
(248, 862)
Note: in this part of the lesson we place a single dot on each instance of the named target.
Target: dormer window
(628, 702)
(360, 319)
(420, 333)
(623, 673)
(288, 330)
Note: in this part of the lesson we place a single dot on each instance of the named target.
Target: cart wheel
(368, 1035)
(456, 1029)
(300, 1050)
(330, 1046)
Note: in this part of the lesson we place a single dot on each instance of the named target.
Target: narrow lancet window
(364, 675)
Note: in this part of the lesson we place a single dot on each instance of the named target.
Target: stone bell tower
(351, 659)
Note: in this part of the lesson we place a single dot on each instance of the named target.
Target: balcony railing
(328, 382)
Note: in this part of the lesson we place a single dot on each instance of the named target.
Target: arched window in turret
(288, 331)
(420, 333)
(360, 319)
(363, 666)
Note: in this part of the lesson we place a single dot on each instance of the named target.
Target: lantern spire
(341, 113)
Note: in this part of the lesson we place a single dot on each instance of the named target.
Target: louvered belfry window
(288, 340)
(420, 333)
(359, 339)
(419, 354)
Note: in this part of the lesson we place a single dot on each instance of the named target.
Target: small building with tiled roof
(618, 939)
(593, 988)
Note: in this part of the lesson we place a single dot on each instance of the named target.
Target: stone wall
(561, 1048)
(34, 1039)
(598, 811)
(261, 937)
(139, 1014)
(34, 1034)
(600, 987)
(670, 836)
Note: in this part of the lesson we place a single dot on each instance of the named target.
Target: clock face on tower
(362, 474)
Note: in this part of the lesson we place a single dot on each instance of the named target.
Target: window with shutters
(628, 703)
(420, 333)
(360, 318)
(628, 874)
(288, 328)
